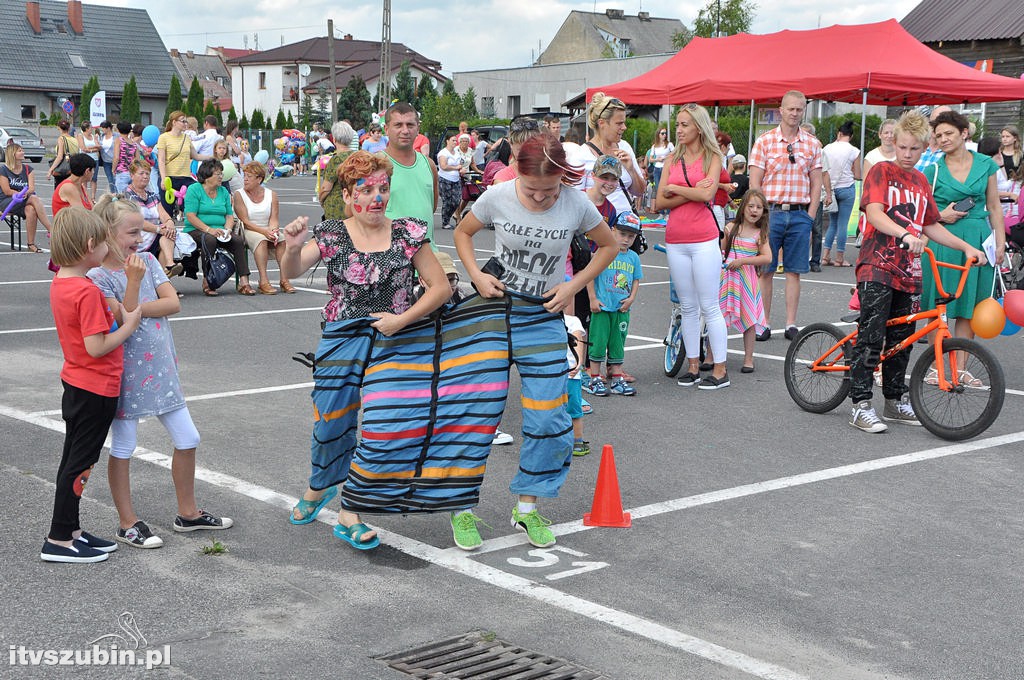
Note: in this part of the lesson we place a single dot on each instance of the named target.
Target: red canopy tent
(871, 63)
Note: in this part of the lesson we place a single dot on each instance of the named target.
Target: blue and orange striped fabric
(431, 397)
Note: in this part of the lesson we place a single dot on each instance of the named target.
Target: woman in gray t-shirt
(535, 218)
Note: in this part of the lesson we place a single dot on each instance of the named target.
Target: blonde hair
(708, 143)
(9, 152)
(73, 228)
(795, 94)
(112, 209)
(602, 107)
(913, 124)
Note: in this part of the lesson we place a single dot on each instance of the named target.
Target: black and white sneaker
(78, 553)
(204, 521)
(713, 383)
(97, 543)
(139, 536)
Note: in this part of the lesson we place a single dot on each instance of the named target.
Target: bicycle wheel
(675, 356)
(817, 391)
(968, 408)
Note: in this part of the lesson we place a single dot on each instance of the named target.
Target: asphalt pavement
(766, 541)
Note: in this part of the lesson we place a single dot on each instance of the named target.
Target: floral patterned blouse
(361, 283)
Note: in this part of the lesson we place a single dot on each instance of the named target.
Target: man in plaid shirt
(785, 164)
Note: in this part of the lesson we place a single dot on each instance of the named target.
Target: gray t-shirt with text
(533, 245)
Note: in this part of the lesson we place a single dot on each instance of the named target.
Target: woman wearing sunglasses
(607, 120)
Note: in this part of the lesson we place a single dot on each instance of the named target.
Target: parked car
(29, 141)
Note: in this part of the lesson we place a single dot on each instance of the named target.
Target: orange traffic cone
(606, 510)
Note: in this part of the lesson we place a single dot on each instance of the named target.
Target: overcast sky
(461, 35)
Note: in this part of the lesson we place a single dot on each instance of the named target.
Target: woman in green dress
(959, 175)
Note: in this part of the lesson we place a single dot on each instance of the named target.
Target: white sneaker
(501, 438)
(864, 418)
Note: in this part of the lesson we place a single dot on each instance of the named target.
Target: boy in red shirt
(899, 205)
(91, 374)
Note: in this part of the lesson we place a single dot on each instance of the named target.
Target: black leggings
(87, 418)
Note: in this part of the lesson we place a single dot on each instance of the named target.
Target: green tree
(130, 104)
(354, 103)
(290, 122)
(729, 16)
(231, 114)
(194, 101)
(425, 90)
(306, 112)
(243, 123)
(469, 103)
(280, 123)
(448, 88)
(322, 108)
(405, 85)
(90, 88)
(257, 121)
(174, 101)
(438, 112)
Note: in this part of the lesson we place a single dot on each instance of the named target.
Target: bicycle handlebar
(935, 264)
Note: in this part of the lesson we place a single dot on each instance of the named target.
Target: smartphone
(964, 204)
(494, 267)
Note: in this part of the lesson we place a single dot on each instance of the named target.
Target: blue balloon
(262, 156)
(150, 135)
(1010, 328)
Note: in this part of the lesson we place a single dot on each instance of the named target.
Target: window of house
(76, 60)
(513, 106)
(487, 107)
(146, 117)
(27, 112)
(263, 80)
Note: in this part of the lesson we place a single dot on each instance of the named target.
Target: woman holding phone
(963, 181)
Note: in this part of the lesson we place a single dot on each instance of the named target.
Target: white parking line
(460, 563)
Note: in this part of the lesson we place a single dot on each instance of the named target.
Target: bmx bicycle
(960, 400)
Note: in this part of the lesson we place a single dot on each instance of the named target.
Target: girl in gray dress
(149, 384)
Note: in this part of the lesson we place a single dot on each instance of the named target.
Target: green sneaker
(580, 448)
(467, 536)
(535, 526)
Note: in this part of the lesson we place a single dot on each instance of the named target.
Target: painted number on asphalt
(545, 557)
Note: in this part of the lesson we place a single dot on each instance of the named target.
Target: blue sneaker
(597, 387)
(584, 380)
(622, 388)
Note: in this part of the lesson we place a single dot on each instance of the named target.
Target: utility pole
(384, 82)
(334, 72)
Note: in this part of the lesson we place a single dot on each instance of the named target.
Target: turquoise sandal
(310, 509)
(353, 536)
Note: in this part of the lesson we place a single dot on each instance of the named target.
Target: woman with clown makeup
(371, 263)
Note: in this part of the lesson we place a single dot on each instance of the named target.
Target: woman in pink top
(688, 183)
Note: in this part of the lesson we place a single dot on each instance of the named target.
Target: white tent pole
(750, 134)
(863, 120)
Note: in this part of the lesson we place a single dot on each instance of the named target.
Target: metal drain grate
(480, 656)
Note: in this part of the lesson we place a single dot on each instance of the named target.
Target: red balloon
(1014, 305)
(988, 319)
